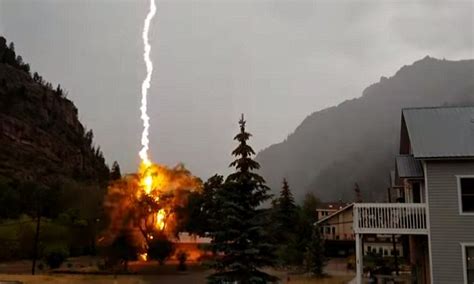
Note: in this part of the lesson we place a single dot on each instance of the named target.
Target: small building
(383, 245)
(338, 225)
(194, 246)
(325, 209)
(338, 234)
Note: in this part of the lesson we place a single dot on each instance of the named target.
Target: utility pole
(36, 241)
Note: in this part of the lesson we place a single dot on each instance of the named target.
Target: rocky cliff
(41, 138)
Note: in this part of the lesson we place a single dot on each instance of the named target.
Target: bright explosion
(143, 206)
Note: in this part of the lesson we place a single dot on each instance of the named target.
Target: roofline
(445, 158)
(437, 107)
(334, 214)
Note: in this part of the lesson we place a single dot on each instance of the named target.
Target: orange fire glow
(144, 204)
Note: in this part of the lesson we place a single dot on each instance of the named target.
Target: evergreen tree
(115, 173)
(286, 210)
(315, 259)
(285, 216)
(240, 239)
(198, 215)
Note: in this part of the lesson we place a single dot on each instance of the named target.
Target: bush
(55, 256)
(160, 248)
(182, 257)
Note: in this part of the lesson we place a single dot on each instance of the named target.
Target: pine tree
(286, 208)
(285, 216)
(240, 240)
(315, 259)
(115, 173)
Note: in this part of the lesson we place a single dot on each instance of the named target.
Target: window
(416, 192)
(468, 263)
(466, 194)
(333, 230)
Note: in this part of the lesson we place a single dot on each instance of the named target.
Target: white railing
(390, 218)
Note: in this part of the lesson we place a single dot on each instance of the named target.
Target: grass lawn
(143, 273)
(148, 279)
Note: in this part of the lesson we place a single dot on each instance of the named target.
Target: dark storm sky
(275, 61)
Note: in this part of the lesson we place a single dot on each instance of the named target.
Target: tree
(286, 210)
(59, 91)
(315, 259)
(310, 204)
(122, 250)
(240, 238)
(160, 248)
(196, 217)
(115, 173)
(285, 215)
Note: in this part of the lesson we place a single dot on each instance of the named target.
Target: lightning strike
(146, 85)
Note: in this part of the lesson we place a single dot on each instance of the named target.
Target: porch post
(359, 258)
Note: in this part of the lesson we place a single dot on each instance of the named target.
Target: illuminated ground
(162, 279)
(151, 272)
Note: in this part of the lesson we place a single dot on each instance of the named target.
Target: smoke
(146, 83)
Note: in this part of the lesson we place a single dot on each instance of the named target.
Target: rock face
(356, 141)
(41, 138)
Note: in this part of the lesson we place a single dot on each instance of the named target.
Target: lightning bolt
(146, 84)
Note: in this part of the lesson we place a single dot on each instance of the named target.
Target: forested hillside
(355, 142)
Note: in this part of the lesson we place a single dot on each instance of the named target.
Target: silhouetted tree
(115, 173)
(315, 259)
(59, 91)
(121, 251)
(310, 204)
(198, 215)
(285, 220)
(240, 238)
(89, 136)
(160, 248)
(286, 211)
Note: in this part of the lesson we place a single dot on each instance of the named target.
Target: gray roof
(408, 167)
(440, 132)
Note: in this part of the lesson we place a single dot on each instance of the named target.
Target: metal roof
(408, 167)
(440, 132)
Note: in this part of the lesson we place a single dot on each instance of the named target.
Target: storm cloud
(275, 61)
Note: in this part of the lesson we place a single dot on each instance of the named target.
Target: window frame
(464, 246)
(458, 181)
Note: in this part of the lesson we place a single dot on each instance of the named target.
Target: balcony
(390, 218)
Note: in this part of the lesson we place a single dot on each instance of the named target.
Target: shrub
(182, 257)
(160, 248)
(55, 256)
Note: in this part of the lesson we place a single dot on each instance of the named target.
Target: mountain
(41, 138)
(355, 142)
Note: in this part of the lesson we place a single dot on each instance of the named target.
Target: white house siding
(448, 227)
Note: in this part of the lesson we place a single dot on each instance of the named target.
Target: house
(338, 225)
(193, 245)
(434, 180)
(336, 230)
(325, 209)
(383, 246)
(338, 234)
